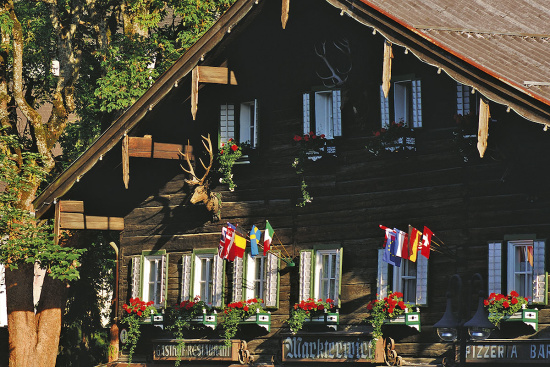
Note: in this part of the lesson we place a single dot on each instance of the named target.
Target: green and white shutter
(494, 276)
(336, 114)
(227, 122)
(163, 279)
(421, 281)
(382, 282)
(306, 259)
(238, 279)
(539, 273)
(217, 297)
(272, 281)
(306, 113)
(416, 104)
(384, 109)
(136, 276)
(186, 271)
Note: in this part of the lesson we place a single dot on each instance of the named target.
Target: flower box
(410, 319)
(405, 143)
(262, 319)
(208, 320)
(328, 319)
(527, 316)
(154, 319)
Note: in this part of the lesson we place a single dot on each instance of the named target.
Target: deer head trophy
(337, 60)
(201, 186)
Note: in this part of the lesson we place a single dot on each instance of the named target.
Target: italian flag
(268, 237)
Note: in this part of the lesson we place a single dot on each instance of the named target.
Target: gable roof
(491, 48)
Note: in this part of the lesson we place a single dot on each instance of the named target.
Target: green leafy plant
(306, 309)
(228, 154)
(386, 137)
(385, 309)
(179, 317)
(236, 312)
(136, 311)
(307, 143)
(500, 305)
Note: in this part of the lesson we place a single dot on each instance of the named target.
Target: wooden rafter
(284, 12)
(386, 69)
(483, 128)
(125, 161)
(208, 74)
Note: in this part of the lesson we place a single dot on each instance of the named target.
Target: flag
(401, 238)
(268, 237)
(414, 239)
(387, 232)
(230, 240)
(221, 247)
(240, 245)
(255, 235)
(389, 253)
(529, 250)
(426, 240)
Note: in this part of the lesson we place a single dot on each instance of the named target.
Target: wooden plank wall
(466, 204)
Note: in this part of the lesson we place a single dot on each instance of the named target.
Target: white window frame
(248, 116)
(141, 267)
(421, 286)
(156, 279)
(204, 260)
(191, 267)
(499, 270)
(327, 114)
(399, 279)
(407, 103)
(333, 274)
(245, 282)
(311, 270)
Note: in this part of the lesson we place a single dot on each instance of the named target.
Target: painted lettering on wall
(317, 348)
(531, 351)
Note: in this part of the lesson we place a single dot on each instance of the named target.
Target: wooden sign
(196, 349)
(509, 351)
(330, 348)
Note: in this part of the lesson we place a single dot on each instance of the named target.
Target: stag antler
(191, 171)
(337, 77)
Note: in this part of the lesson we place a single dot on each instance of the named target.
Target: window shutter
(237, 279)
(382, 281)
(338, 271)
(416, 104)
(462, 99)
(186, 268)
(422, 281)
(494, 280)
(272, 281)
(227, 122)
(307, 113)
(384, 109)
(136, 276)
(306, 257)
(539, 274)
(337, 112)
(256, 124)
(163, 279)
(217, 298)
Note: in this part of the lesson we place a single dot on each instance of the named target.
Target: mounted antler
(201, 191)
(337, 77)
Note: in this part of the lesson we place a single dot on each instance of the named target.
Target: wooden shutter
(382, 279)
(337, 112)
(227, 122)
(186, 271)
(306, 258)
(237, 279)
(217, 297)
(494, 276)
(421, 281)
(384, 109)
(272, 281)
(163, 278)
(416, 104)
(539, 273)
(136, 276)
(307, 113)
(338, 271)
(462, 99)
(256, 124)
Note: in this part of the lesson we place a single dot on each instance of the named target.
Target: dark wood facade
(467, 201)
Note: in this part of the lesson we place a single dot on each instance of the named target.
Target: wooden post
(56, 223)
(386, 69)
(125, 161)
(284, 12)
(483, 128)
(194, 92)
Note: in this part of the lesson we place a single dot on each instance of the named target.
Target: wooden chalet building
(462, 80)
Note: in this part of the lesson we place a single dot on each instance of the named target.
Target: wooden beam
(284, 12)
(71, 206)
(483, 128)
(194, 92)
(386, 69)
(125, 161)
(56, 226)
(81, 221)
(146, 148)
(208, 74)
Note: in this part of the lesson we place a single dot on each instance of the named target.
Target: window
(524, 268)
(463, 101)
(149, 277)
(406, 102)
(247, 114)
(257, 277)
(327, 114)
(411, 279)
(321, 273)
(202, 275)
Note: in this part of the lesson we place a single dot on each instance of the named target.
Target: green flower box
(262, 319)
(207, 319)
(154, 319)
(528, 316)
(329, 319)
(410, 319)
